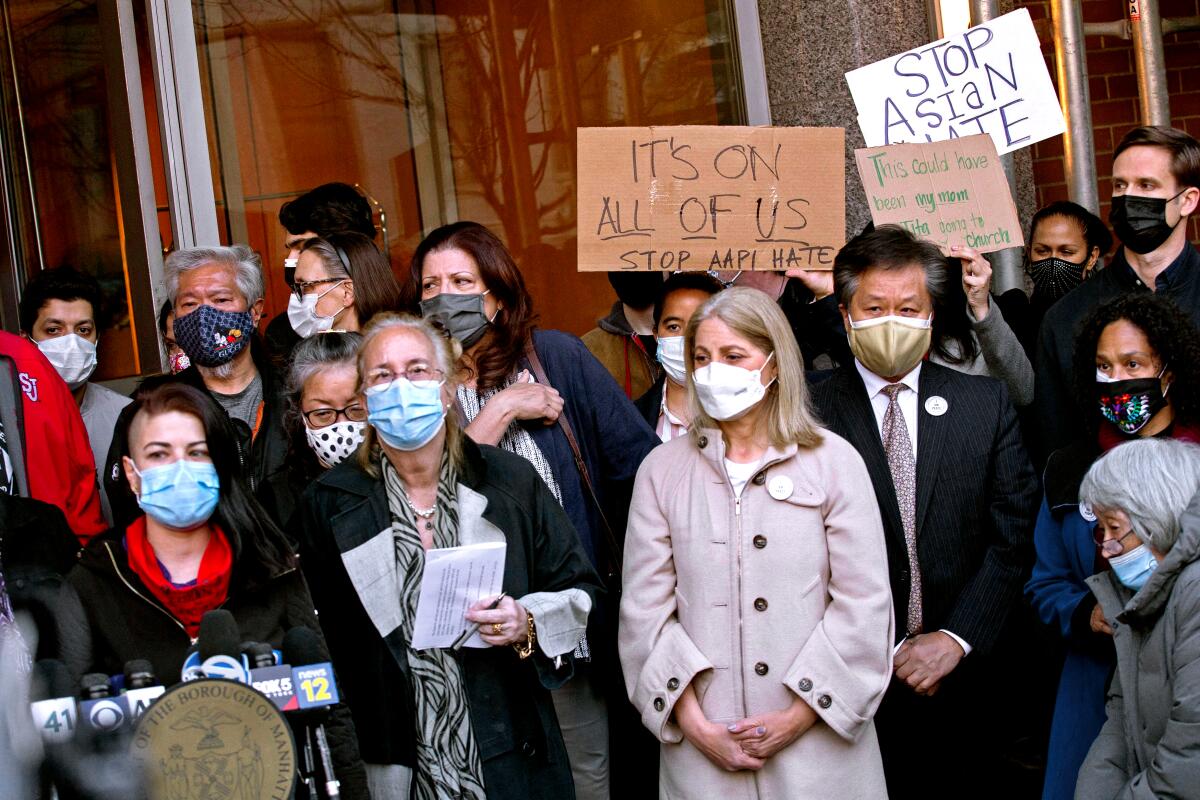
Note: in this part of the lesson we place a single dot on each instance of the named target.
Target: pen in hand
(462, 638)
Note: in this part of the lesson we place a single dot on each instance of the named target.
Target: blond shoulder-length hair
(754, 316)
(447, 355)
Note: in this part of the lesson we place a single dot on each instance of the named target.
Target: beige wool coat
(756, 601)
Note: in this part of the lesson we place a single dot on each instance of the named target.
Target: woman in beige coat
(756, 621)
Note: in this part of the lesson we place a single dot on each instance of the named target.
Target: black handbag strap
(609, 536)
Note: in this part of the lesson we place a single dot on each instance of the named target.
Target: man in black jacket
(957, 496)
(217, 293)
(1156, 189)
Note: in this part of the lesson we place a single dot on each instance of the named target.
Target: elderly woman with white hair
(756, 618)
(439, 722)
(1145, 497)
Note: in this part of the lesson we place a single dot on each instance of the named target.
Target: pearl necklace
(423, 513)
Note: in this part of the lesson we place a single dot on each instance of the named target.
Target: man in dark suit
(958, 499)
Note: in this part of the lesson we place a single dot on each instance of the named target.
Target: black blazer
(977, 498)
(649, 404)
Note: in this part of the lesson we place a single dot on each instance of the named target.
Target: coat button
(702, 442)
(659, 705)
(528, 749)
(760, 479)
(673, 684)
(761, 668)
(760, 541)
(824, 701)
(805, 685)
(760, 604)
(904, 575)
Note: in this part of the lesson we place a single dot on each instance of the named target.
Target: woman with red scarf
(1137, 365)
(202, 543)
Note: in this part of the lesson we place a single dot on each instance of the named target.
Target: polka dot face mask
(334, 443)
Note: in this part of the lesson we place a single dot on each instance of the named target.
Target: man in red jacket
(44, 449)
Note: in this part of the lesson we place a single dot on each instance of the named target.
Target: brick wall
(1113, 87)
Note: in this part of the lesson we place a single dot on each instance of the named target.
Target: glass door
(67, 171)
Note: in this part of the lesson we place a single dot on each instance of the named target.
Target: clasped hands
(747, 743)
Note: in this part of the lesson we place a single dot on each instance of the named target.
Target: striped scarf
(448, 763)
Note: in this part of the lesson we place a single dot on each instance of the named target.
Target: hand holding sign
(976, 278)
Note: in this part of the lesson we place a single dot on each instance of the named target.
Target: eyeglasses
(324, 417)
(300, 288)
(1110, 547)
(416, 373)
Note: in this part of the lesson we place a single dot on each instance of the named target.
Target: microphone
(220, 655)
(257, 654)
(100, 710)
(52, 696)
(141, 687)
(317, 691)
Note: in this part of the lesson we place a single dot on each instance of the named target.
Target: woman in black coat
(202, 543)
(437, 722)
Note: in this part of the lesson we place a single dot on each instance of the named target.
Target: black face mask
(1141, 222)
(461, 314)
(1054, 277)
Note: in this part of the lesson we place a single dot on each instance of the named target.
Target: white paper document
(456, 578)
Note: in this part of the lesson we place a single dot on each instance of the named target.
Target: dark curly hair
(1172, 337)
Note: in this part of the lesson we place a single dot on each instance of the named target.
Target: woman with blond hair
(438, 722)
(756, 622)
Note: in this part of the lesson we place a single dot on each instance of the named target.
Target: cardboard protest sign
(708, 197)
(945, 192)
(991, 79)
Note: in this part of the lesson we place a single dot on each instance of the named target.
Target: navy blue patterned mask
(211, 337)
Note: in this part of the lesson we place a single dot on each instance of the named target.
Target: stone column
(810, 46)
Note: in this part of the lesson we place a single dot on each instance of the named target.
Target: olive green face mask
(890, 346)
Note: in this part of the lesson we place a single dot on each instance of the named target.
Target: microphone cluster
(297, 680)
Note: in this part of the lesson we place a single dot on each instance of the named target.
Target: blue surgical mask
(1135, 567)
(182, 494)
(406, 415)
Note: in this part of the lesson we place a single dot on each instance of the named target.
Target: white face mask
(670, 355)
(303, 316)
(72, 356)
(726, 392)
(334, 443)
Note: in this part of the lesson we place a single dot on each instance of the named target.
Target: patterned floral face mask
(1129, 404)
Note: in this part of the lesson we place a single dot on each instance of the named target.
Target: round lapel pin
(936, 406)
(780, 487)
(1085, 511)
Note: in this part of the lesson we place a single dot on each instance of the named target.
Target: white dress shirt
(909, 408)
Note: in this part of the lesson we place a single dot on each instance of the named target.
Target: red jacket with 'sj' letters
(59, 465)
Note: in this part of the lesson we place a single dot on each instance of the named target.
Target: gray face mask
(461, 314)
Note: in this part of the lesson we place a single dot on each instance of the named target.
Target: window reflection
(448, 110)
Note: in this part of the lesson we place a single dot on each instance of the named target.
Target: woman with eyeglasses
(1146, 497)
(542, 395)
(1138, 358)
(438, 722)
(342, 280)
(328, 418)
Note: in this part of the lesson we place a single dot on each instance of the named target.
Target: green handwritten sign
(948, 193)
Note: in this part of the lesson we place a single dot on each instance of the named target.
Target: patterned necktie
(898, 446)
